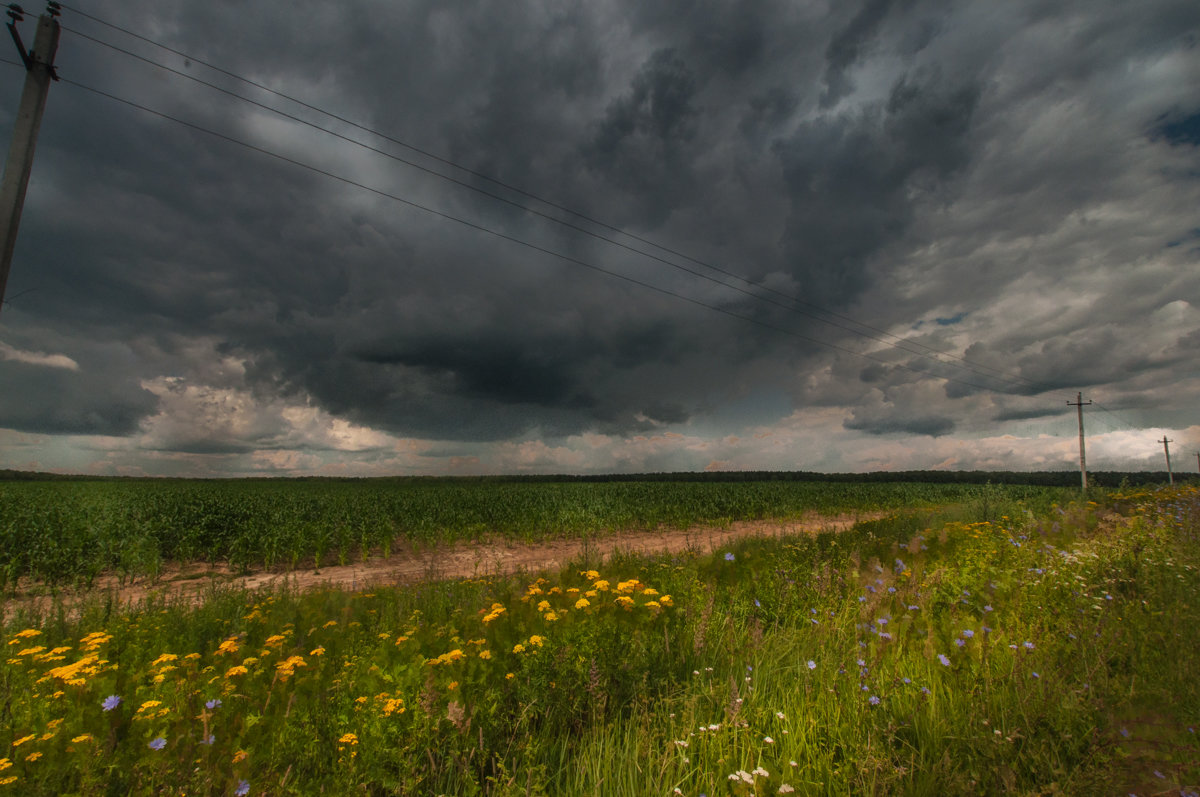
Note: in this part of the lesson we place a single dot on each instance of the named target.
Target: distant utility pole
(1079, 404)
(1167, 451)
(39, 71)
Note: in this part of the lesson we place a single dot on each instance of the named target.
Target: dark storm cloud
(1179, 129)
(58, 401)
(930, 425)
(884, 156)
(852, 179)
(846, 47)
(641, 144)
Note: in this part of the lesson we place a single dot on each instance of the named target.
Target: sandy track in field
(463, 560)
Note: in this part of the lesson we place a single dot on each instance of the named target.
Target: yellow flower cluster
(496, 610)
(448, 658)
(28, 633)
(94, 640)
(390, 705)
(76, 674)
(287, 667)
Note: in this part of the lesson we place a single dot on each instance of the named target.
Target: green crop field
(993, 643)
(70, 531)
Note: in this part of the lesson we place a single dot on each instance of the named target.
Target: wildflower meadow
(1006, 644)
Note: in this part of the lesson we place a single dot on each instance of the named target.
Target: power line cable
(1116, 417)
(507, 237)
(927, 352)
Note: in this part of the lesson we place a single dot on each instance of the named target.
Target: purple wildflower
(111, 702)
(158, 743)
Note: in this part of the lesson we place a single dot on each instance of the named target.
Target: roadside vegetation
(68, 532)
(998, 643)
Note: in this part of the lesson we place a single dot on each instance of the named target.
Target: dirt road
(464, 560)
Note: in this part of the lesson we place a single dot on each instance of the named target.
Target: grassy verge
(64, 532)
(1037, 651)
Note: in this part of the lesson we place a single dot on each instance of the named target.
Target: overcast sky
(895, 234)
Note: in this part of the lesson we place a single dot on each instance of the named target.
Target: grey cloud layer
(897, 160)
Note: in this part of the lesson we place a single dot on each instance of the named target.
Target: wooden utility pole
(39, 71)
(1167, 451)
(1079, 404)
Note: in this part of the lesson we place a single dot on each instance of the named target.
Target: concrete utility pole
(39, 71)
(1167, 451)
(1079, 404)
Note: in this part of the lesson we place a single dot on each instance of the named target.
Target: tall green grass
(824, 665)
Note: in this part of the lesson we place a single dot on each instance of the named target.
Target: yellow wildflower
(32, 651)
(239, 756)
(550, 616)
(590, 575)
(317, 652)
(544, 606)
(625, 602)
(95, 640)
(536, 640)
(4, 764)
(33, 756)
(8, 780)
(509, 677)
(87, 737)
(582, 603)
(228, 646)
(649, 592)
(665, 600)
(452, 685)
(237, 669)
(348, 738)
(600, 586)
(485, 654)
(163, 659)
(518, 648)
(24, 739)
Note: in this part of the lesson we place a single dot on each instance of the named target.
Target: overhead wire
(1116, 417)
(496, 233)
(796, 303)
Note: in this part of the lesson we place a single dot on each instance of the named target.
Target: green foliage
(934, 652)
(70, 531)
